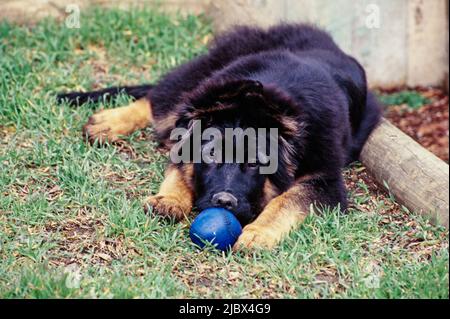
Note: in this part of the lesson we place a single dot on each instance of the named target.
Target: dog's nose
(225, 200)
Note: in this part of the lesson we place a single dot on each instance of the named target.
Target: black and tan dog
(291, 77)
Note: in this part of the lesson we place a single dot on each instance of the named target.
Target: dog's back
(304, 41)
(243, 50)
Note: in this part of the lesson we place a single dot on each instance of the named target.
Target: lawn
(71, 218)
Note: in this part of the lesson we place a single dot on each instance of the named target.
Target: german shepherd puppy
(290, 77)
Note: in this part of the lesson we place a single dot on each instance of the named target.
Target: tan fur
(270, 191)
(279, 217)
(290, 125)
(175, 196)
(214, 108)
(188, 174)
(309, 177)
(166, 123)
(108, 125)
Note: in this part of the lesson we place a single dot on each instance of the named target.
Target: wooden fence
(399, 42)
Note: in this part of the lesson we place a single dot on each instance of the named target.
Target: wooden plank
(25, 11)
(428, 42)
(325, 14)
(409, 48)
(417, 178)
(382, 50)
(183, 6)
(251, 12)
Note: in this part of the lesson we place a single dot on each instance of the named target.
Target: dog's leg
(287, 211)
(175, 196)
(279, 217)
(108, 125)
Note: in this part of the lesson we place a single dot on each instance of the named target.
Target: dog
(291, 77)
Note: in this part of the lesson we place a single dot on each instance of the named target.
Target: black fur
(273, 78)
(79, 98)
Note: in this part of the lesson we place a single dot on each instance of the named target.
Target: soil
(428, 125)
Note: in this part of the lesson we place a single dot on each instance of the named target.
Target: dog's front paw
(167, 206)
(257, 237)
(103, 126)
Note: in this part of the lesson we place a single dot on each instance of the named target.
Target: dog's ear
(185, 121)
(241, 88)
(222, 94)
(247, 86)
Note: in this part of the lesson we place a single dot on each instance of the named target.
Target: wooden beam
(417, 178)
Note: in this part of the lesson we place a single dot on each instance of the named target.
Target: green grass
(71, 221)
(412, 99)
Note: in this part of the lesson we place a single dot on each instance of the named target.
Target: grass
(71, 222)
(412, 99)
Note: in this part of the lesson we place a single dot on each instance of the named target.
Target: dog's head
(249, 144)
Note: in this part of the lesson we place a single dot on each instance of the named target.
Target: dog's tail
(370, 118)
(79, 98)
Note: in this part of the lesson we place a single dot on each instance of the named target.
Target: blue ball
(217, 226)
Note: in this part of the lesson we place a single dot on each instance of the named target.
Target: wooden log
(417, 178)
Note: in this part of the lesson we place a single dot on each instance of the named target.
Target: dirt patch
(82, 241)
(403, 231)
(360, 183)
(42, 182)
(210, 278)
(101, 62)
(428, 125)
